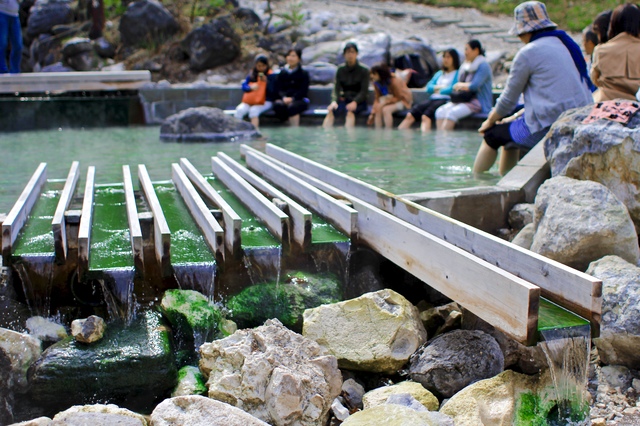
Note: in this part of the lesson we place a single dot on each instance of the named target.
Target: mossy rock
(190, 382)
(193, 318)
(132, 366)
(286, 300)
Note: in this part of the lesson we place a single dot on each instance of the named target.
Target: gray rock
(524, 238)
(339, 411)
(98, 415)
(406, 400)
(603, 151)
(277, 43)
(617, 376)
(397, 415)
(412, 46)
(104, 48)
(45, 14)
(619, 341)
(247, 19)
(328, 52)
(521, 215)
(454, 360)
(322, 37)
(353, 392)
(44, 51)
(76, 46)
(198, 410)
(321, 72)
(45, 329)
(272, 373)
(22, 351)
(205, 124)
(578, 222)
(374, 48)
(146, 23)
(40, 421)
(211, 45)
(88, 330)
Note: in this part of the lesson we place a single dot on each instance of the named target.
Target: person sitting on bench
(391, 95)
(292, 88)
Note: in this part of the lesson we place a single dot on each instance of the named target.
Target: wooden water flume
(210, 220)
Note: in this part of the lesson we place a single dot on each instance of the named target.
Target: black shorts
(283, 111)
(427, 108)
(342, 108)
(497, 136)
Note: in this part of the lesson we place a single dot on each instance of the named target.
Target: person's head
(589, 40)
(472, 50)
(530, 17)
(381, 73)
(293, 58)
(450, 60)
(625, 19)
(600, 26)
(261, 64)
(350, 53)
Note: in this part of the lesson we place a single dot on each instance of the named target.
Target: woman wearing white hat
(550, 72)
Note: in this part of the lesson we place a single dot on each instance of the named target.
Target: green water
(399, 162)
(253, 233)
(552, 316)
(187, 243)
(110, 239)
(36, 237)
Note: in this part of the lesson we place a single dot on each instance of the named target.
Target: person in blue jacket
(475, 78)
(439, 88)
(260, 74)
(292, 88)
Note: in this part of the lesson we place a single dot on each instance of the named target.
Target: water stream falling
(568, 360)
(197, 276)
(36, 275)
(117, 288)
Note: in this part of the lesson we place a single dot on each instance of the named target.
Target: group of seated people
(549, 75)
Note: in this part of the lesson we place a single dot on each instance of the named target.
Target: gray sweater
(545, 73)
(9, 7)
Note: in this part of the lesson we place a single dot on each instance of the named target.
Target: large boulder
(321, 72)
(379, 396)
(396, 415)
(285, 300)
(603, 151)
(272, 373)
(132, 366)
(195, 410)
(456, 359)
(373, 48)
(46, 14)
(99, 415)
(46, 330)
(577, 222)
(146, 23)
(204, 124)
(512, 399)
(619, 341)
(375, 332)
(211, 45)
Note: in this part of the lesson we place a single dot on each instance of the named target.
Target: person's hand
(254, 86)
(486, 125)
(508, 119)
(332, 106)
(287, 100)
(376, 108)
(370, 120)
(461, 86)
(351, 106)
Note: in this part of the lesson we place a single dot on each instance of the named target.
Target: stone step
(440, 22)
(478, 31)
(394, 14)
(473, 25)
(418, 17)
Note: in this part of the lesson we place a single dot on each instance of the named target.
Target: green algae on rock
(285, 301)
(190, 382)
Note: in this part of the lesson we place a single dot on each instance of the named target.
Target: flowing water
(399, 162)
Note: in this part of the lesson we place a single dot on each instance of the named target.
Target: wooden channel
(335, 211)
(161, 232)
(58, 223)
(232, 223)
(275, 219)
(300, 218)
(210, 228)
(569, 288)
(504, 300)
(135, 230)
(84, 231)
(19, 213)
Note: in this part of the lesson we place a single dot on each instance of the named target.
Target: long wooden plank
(84, 231)
(275, 219)
(211, 229)
(161, 232)
(299, 216)
(19, 213)
(232, 223)
(504, 300)
(58, 223)
(135, 232)
(571, 289)
(335, 211)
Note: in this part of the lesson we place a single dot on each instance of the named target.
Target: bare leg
(387, 113)
(425, 125)
(407, 122)
(378, 120)
(508, 159)
(350, 120)
(485, 158)
(446, 124)
(256, 122)
(294, 120)
(329, 119)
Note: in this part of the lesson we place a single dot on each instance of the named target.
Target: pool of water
(400, 162)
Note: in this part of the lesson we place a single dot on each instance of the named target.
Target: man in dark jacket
(351, 89)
